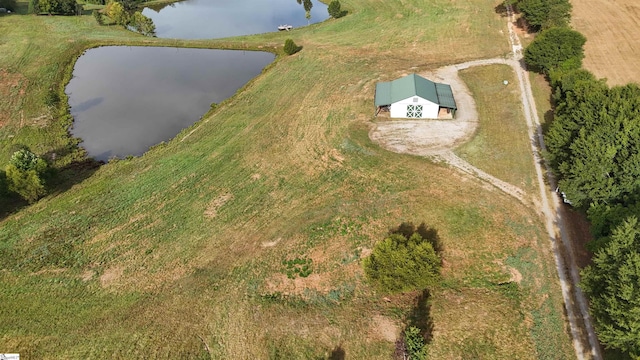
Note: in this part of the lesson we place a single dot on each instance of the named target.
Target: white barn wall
(429, 109)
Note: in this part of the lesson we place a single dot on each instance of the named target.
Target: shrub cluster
(544, 14)
(290, 47)
(121, 15)
(335, 9)
(25, 175)
(60, 7)
(404, 261)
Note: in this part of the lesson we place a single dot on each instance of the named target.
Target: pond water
(208, 19)
(126, 99)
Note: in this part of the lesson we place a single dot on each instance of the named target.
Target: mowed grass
(501, 145)
(179, 253)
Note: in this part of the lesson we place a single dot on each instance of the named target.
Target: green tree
(116, 12)
(555, 48)
(290, 47)
(143, 24)
(63, 7)
(47, 6)
(593, 143)
(25, 175)
(400, 264)
(545, 14)
(34, 7)
(612, 283)
(335, 10)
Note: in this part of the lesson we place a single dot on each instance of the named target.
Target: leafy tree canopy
(335, 9)
(555, 48)
(403, 263)
(612, 283)
(545, 14)
(25, 175)
(593, 144)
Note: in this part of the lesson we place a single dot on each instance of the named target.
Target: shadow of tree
(407, 229)
(420, 316)
(337, 353)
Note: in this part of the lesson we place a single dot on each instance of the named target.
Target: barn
(413, 96)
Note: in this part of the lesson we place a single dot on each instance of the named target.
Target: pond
(208, 19)
(126, 99)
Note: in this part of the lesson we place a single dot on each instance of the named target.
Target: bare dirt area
(613, 46)
(578, 229)
(11, 85)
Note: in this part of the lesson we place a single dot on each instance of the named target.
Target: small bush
(402, 263)
(415, 344)
(290, 47)
(25, 175)
(335, 10)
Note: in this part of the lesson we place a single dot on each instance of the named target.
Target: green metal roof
(413, 85)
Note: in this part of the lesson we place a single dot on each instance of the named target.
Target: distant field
(612, 28)
(179, 253)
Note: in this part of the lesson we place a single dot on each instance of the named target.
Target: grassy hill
(179, 253)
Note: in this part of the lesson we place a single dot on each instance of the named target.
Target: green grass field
(501, 145)
(179, 253)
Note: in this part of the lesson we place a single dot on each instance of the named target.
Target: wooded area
(593, 147)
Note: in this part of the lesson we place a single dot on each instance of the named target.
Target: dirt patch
(269, 244)
(111, 275)
(579, 231)
(212, 210)
(12, 87)
(87, 275)
(516, 276)
(384, 328)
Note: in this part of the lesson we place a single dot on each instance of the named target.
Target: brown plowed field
(612, 28)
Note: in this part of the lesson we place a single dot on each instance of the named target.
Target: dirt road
(437, 139)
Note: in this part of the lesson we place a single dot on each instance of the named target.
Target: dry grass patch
(472, 329)
(611, 27)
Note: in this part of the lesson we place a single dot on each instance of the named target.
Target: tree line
(57, 7)
(122, 12)
(593, 149)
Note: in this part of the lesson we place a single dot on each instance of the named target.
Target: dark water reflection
(126, 99)
(207, 19)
